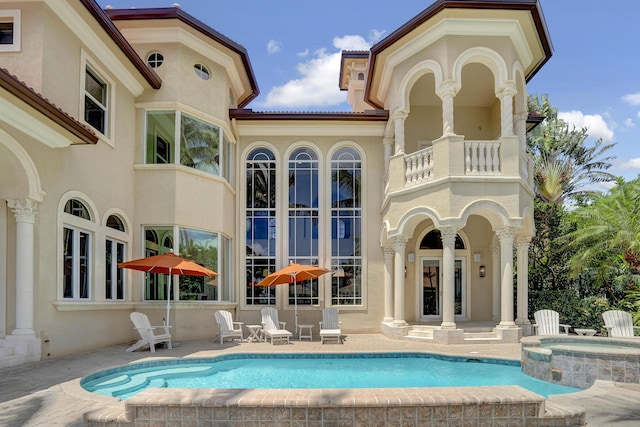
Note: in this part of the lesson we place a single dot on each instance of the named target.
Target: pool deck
(48, 393)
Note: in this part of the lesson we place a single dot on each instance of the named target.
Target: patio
(48, 393)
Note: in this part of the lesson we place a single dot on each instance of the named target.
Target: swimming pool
(278, 371)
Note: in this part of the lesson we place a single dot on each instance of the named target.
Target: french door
(430, 288)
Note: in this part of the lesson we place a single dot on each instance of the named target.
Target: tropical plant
(199, 145)
(564, 165)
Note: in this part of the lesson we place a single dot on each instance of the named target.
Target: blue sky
(593, 77)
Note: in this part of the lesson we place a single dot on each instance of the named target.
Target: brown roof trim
(147, 72)
(533, 120)
(26, 94)
(249, 114)
(532, 6)
(177, 13)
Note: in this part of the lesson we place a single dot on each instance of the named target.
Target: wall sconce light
(405, 271)
(483, 271)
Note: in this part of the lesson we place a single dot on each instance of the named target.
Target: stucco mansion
(126, 133)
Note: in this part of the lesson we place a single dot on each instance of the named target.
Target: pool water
(316, 371)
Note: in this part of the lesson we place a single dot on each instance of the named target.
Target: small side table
(255, 331)
(308, 328)
(585, 332)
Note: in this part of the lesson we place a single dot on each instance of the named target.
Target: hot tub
(578, 361)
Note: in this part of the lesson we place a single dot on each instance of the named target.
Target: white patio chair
(330, 325)
(272, 328)
(619, 323)
(227, 328)
(148, 338)
(548, 323)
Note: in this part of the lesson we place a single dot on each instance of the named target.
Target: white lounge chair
(148, 338)
(619, 323)
(548, 323)
(330, 325)
(272, 328)
(227, 328)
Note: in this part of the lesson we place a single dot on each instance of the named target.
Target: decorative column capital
(399, 115)
(523, 242)
(507, 89)
(388, 251)
(506, 234)
(495, 249)
(448, 235)
(399, 243)
(24, 209)
(446, 88)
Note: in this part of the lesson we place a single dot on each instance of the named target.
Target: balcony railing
(482, 157)
(419, 167)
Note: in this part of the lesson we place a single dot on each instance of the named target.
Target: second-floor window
(179, 138)
(95, 101)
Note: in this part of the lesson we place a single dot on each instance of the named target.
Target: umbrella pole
(295, 302)
(169, 286)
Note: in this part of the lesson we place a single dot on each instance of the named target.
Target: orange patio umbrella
(293, 273)
(170, 264)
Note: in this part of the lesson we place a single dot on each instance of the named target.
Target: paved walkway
(48, 393)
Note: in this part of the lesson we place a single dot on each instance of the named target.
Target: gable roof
(179, 14)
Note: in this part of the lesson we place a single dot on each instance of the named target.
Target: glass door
(431, 292)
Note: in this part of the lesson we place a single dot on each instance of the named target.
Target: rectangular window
(199, 145)
(95, 101)
(161, 130)
(10, 30)
(76, 274)
(200, 247)
(114, 276)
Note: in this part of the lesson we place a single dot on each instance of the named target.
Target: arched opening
(476, 109)
(424, 123)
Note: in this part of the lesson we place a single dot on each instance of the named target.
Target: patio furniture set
(617, 322)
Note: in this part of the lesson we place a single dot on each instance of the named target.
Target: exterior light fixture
(483, 271)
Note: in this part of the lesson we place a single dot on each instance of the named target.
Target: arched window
(303, 221)
(115, 252)
(346, 219)
(76, 244)
(261, 235)
(433, 240)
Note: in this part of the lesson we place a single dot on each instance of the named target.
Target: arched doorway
(429, 277)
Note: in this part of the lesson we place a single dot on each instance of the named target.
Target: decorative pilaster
(398, 121)
(388, 284)
(506, 236)
(388, 147)
(448, 236)
(495, 269)
(25, 213)
(399, 245)
(522, 256)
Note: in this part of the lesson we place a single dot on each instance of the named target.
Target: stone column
(506, 236)
(447, 92)
(399, 244)
(398, 122)
(25, 213)
(388, 284)
(495, 269)
(506, 108)
(522, 256)
(448, 236)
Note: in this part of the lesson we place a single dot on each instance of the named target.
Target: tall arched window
(346, 217)
(303, 221)
(115, 251)
(260, 241)
(77, 250)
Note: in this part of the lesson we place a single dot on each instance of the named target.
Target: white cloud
(274, 46)
(629, 123)
(596, 126)
(630, 164)
(632, 98)
(304, 53)
(376, 35)
(317, 85)
(638, 114)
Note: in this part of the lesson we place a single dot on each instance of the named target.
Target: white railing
(482, 157)
(418, 167)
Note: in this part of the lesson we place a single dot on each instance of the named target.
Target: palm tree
(199, 145)
(607, 238)
(564, 165)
